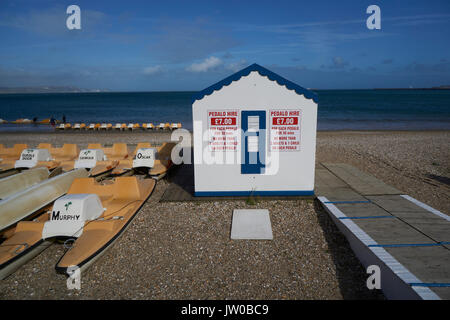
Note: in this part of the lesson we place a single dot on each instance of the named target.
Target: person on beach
(52, 121)
(64, 119)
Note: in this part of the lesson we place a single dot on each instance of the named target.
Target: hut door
(253, 143)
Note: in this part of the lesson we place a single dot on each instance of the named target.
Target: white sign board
(29, 158)
(223, 130)
(70, 213)
(145, 157)
(285, 130)
(88, 158)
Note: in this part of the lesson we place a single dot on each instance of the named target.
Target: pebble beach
(182, 250)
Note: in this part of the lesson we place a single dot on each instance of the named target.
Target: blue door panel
(253, 162)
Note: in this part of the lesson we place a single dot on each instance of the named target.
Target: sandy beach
(182, 250)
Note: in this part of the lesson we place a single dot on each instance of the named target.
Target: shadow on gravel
(350, 272)
(441, 179)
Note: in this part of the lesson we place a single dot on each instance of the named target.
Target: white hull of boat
(24, 203)
(13, 266)
(21, 181)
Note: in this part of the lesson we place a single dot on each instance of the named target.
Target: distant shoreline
(432, 88)
(150, 132)
(83, 91)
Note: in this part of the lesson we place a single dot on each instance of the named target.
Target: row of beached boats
(100, 126)
(86, 198)
(97, 159)
(27, 121)
(119, 126)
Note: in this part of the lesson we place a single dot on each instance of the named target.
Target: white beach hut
(254, 133)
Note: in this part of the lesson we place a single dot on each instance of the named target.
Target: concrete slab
(330, 186)
(362, 210)
(392, 231)
(438, 230)
(426, 207)
(442, 292)
(339, 194)
(361, 182)
(395, 203)
(387, 220)
(395, 278)
(251, 224)
(417, 215)
(319, 166)
(429, 264)
(324, 178)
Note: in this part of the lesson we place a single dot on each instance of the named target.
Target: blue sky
(189, 45)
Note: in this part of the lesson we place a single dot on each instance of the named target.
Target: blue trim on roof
(262, 71)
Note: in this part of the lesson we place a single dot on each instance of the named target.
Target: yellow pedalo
(91, 215)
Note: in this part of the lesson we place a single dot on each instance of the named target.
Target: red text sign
(285, 130)
(223, 130)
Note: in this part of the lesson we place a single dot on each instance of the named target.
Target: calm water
(338, 109)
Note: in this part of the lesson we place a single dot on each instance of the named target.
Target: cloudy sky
(189, 45)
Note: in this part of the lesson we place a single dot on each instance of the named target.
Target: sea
(338, 109)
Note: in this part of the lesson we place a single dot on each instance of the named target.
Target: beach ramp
(408, 240)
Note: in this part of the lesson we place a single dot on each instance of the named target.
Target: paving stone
(326, 179)
(251, 224)
(339, 194)
(395, 203)
(391, 231)
(437, 229)
(411, 224)
(429, 264)
(418, 215)
(361, 182)
(361, 209)
(442, 292)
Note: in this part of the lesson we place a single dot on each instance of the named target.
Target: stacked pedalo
(98, 160)
(99, 126)
(119, 126)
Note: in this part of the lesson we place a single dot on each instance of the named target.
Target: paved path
(409, 240)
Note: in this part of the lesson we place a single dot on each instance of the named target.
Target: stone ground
(183, 250)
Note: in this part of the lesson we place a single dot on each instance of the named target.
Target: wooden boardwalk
(407, 239)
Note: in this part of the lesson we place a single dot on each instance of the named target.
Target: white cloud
(237, 65)
(152, 70)
(338, 63)
(205, 65)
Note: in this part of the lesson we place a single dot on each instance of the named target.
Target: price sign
(285, 130)
(223, 130)
(223, 121)
(284, 121)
